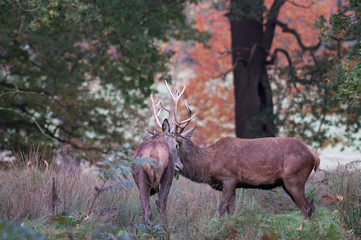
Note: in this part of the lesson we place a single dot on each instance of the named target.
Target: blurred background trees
(79, 73)
(282, 70)
(344, 27)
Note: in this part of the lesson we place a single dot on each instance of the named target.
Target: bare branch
(20, 89)
(271, 24)
(31, 118)
(224, 74)
(28, 10)
(304, 48)
(299, 5)
(47, 133)
(274, 56)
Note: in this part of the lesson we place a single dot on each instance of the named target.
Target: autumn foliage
(210, 86)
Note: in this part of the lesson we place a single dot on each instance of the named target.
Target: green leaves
(65, 63)
(10, 230)
(349, 83)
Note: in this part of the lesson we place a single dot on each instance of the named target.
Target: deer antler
(187, 121)
(156, 115)
(178, 128)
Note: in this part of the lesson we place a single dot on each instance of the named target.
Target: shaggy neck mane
(196, 161)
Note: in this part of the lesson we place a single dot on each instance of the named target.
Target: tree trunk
(253, 96)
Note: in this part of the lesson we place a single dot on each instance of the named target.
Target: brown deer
(231, 163)
(156, 177)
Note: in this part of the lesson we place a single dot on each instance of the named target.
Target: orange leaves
(208, 95)
(209, 82)
(329, 198)
(300, 15)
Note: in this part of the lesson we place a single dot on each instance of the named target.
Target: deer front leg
(228, 197)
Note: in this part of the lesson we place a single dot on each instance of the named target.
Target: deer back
(162, 148)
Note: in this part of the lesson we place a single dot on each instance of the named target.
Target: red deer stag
(156, 177)
(263, 163)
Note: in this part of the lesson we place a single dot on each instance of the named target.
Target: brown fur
(156, 177)
(262, 163)
(317, 159)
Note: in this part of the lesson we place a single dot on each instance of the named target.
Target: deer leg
(296, 190)
(161, 201)
(144, 194)
(232, 202)
(228, 197)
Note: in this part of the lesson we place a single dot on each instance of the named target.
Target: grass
(27, 197)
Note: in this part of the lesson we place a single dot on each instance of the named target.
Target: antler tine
(179, 126)
(177, 95)
(155, 111)
(153, 133)
(176, 104)
(170, 92)
(187, 121)
(160, 110)
(169, 111)
(189, 111)
(184, 88)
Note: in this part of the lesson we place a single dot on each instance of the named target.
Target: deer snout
(178, 166)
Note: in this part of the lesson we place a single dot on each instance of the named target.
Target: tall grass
(344, 187)
(27, 197)
(39, 195)
(28, 193)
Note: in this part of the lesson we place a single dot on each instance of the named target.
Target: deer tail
(317, 159)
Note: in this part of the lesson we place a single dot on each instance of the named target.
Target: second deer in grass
(231, 163)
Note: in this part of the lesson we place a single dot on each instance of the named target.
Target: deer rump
(161, 167)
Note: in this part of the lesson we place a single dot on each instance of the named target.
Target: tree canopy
(306, 99)
(78, 72)
(344, 27)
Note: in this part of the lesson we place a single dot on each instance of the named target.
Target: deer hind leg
(232, 203)
(228, 198)
(144, 194)
(161, 200)
(296, 190)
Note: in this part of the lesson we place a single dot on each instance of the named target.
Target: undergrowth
(85, 206)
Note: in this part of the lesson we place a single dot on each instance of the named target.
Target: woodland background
(75, 80)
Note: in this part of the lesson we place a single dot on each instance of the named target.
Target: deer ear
(165, 126)
(188, 134)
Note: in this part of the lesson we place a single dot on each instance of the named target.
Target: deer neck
(196, 161)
